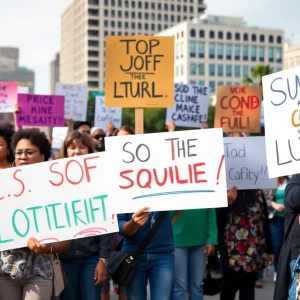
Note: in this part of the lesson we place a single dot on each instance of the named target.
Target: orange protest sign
(139, 71)
(238, 108)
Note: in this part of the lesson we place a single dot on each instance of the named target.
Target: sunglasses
(98, 136)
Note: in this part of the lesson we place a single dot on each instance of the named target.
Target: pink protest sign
(41, 110)
(8, 96)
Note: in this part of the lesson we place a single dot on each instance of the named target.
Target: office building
(291, 56)
(218, 50)
(54, 73)
(85, 24)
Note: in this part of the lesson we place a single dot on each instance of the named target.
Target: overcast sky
(34, 26)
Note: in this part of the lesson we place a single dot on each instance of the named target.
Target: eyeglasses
(98, 136)
(27, 153)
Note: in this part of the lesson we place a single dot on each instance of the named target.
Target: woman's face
(3, 148)
(76, 148)
(123, 132)
(26, 153)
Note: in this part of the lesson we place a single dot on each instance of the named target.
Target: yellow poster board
(139, 71)
(238, 108)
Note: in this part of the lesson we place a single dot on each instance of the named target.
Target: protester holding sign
(27, 273)
(84, 262)
(6, 154)
(244, 242)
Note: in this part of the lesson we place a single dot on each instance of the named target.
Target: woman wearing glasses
(35, 281)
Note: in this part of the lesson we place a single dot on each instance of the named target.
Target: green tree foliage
(257, 73)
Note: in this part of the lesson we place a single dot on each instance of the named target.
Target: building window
(271, 54)
(262, 38)
(166, 7)
(229, 51)
(220, 51)
(192, 33)
(93, 53)
(93, 33)
(93, 74)
(159, 6)
(237, 71)
(237, 36)
(146, 16)
(245, 52)
(105, 33)
(181, 70)
(192, 81)
(106, 2)
(220, 83)
(159, 17)
(201, 69)
(229, 36)
(253, 37)
(120, 14)
(126, 25)
(261, 53)
(133, 25)
(201, 82)
(278, 54)
(212, 34)
(192, 47)
(211, 47)
(119, 24)
(93, 64)
(246, 37)
(146, 5)
(245, 71)
(172, 18)
(93, 23)
(93, 43)
(153, 27)
(159, 27)
(178, 8)
(212, 86)
(237, 52)
(202, 33)
(112, 12)
(133, 4)
(193, 69)
(220, 70)
(278, 69)
(140, 26)
(201, 49)
(229, 83)
(105, 12)
(133, 15)
(152, 5)
(93, 12)
(271, 39)
(93, 84)
(112, 2)
(152, 16)
(220, 35)
(228, 70)
(237, 83)
(279, 40)
(191, 9)
(212, 70)
(105, 23)
(146, 25)
(253, 53)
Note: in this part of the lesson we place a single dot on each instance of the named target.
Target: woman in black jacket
(244, 242)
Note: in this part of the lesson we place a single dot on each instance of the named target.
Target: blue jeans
(277, 231)
(190, 265)
(295, 268)
(81, 283)
(159, 269)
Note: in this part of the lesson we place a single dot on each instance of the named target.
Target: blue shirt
(162, 242)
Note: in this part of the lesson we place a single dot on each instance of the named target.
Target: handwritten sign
(282, 121)
(105, 115)
(246, 163)
(139, 71)
(40, 110)
(238, 108)
(76, 98)
(191, 105)
(58, 136)
(167, 171)
(65, 203)
(8, 96)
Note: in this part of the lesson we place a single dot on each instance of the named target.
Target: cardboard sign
(139, 71)
(238, 108)
(58, 136)
(66, 202)
(76, 99)
(105, 115)
(282, 122)
(167, 171)
(40, 110)
(191, 105)
(8, 96)
(246, 163)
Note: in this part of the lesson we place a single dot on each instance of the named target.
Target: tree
(257, 73)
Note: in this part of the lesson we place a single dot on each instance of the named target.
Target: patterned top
(14, 263)
(244, 235)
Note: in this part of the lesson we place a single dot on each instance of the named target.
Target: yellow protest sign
(139, 71)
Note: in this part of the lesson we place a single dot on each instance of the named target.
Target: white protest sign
(65, 202)
(282, 121)
(23, 89)
(76, 99)
(167, 171)
(104, 115)
(246, 163)
(58, 136)
(190, 105)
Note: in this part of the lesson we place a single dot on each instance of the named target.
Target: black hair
(36, 137)
(78, 124)
(7, 131)
(245, 200)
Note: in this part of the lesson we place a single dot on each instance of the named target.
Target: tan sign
(139, 71)
(238, 108)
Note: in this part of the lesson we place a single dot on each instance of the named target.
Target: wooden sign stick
(139, 120)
